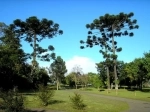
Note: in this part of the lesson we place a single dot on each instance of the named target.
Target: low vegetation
(61, 101)
(45, 95)
(77, 101)
(11, 101)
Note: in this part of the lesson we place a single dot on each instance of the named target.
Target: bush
(12, 101)
(45, 94)
(77, 101)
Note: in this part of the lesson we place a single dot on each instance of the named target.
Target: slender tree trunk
(107, 73)
(108, 79)
(76, 86)
(141, 83)
(34, 56)
(34, 50)
(76, 81)
(115, 71)
(57, 84)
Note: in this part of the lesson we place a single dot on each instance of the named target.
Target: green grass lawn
(137, 95)
(62, 102)
(93, 103)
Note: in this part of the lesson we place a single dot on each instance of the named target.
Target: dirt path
(134, 105)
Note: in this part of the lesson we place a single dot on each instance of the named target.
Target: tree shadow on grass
(143, 90)
(32, 94)
(36, 110)
(101, 90)
(26, 110)
(86, 89)
(55, 102)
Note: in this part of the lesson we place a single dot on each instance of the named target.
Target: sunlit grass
(137, 95)
(62, 102)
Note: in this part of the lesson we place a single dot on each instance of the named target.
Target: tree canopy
(58, 69)
(102, 32)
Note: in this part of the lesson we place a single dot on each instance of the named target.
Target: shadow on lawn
(143, 90)
(36, 110)
(29, 94)
(101, 90)
(55, 102)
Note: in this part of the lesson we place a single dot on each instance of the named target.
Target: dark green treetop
(34, 30)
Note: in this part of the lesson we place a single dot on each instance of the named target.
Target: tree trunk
(115, 71)
(141, 83)
(108, 79)
(76, 81)
(34, 55)
(57, 84)
(76, 86)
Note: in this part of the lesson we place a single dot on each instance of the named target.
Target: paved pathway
(134, 105)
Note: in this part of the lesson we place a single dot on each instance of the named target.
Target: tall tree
(58, 69)
(147, 62)
(34, 31)
(12, 61)
(77, 73)
(70, 79)
(84, 80)
(110, 26)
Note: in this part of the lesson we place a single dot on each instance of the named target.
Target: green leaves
(58, 68)
(34, 30)
(77, 101)
(103, 30)
(51, 48)
(45, 94)
(32, 25)
(12, 101)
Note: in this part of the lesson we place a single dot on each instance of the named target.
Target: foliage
(34, 30)
(13, 66)
(138, 71)
(77, 72)
(70, 79)
(58, 69)
(84, 79)
(12, 101)
(77, 101)
(41, 76)
(102, 32)
(45, 94)
(95, 80)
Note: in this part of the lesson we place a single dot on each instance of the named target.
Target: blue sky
(72, 16)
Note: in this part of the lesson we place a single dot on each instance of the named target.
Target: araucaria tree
(108, 27)
(34, 31)
(58, 70)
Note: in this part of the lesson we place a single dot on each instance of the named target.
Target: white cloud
(87, 64)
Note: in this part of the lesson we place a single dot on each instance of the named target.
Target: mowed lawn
(62, 102)
(137, 95)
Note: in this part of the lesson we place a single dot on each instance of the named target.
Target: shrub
(77, 101)
(12, 101)
(45, 94)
